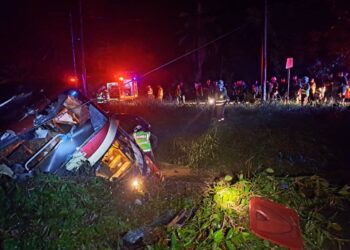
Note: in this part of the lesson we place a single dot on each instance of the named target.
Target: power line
(83, 65)
(194, 50)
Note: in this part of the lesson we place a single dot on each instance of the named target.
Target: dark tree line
(139, 36)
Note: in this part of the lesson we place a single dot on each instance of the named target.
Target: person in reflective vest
(221, 98)
(305, 90)
(160, 93)
(142, 139)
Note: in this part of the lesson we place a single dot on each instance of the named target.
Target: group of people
(215, 93)
(178, 94)
(159, 95)
(304, 90)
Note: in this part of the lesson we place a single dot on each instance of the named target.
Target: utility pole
(83, 67)
(262, 67)
(73, 44)
(265, 51)
(198, 42)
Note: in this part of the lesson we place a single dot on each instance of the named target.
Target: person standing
(336, 87)
(256, 90)
(305, 90)
(272, 88)
(294, 88)
(206, 89)
(329, 82)
(142, 138)
(183, 96)
(283, 90)
(199, 91)
(221, 99)
(160, 93)
(178, 94)
(343, 85)
(320, 93)
(313, 88)
(150, 92)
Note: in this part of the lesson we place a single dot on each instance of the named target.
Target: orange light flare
(121, 78)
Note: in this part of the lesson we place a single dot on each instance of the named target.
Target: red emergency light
(73, 80)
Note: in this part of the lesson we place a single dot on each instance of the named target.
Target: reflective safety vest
(221, 97)
(142, 139)
(160, 93)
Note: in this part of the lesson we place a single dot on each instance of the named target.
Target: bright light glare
(135, 183)
(211, 101)
(121, 78)
(73, 79)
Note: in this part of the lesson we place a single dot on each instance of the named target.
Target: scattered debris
(5, 170)
(275, 222)
(224, 214)
(41, 133)
(76, 161)
(133, 236)
(138, 202)
(181, 218)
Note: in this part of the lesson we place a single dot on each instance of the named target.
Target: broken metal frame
(41, 150)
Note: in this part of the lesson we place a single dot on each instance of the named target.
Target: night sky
(141, 35)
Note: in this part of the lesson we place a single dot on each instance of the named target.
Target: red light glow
(121, 78)
(73, 79)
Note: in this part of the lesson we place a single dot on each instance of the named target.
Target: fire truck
(123, 89)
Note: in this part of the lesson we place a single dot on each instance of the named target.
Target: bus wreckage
(67, 136)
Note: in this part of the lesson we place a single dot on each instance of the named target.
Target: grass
(294, 139)
(49, 212)
(53, 213)
(222, 221)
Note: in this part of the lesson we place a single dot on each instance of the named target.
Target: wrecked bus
(67, 136)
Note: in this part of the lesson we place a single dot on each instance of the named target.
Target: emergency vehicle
(123, 89)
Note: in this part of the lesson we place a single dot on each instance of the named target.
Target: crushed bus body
(70, 135)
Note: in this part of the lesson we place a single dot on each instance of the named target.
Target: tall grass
(295, 139)
(202, 151)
